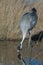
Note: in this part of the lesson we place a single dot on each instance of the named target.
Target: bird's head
(34, 10)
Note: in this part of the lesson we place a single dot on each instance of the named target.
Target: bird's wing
(34, 21)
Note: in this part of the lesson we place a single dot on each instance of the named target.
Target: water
(33, 61)
(8, 53)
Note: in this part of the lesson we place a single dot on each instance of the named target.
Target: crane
(27, 23)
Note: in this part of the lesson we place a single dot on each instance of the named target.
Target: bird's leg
(29, 39)
(22, 41)
(20, 45)
(30, 47)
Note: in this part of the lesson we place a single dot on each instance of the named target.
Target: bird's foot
(19, 48)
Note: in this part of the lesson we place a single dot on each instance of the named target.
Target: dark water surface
(8, 52)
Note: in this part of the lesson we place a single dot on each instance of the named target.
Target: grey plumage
(27, 23)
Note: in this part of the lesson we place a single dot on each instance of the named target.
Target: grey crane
(27, 23)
